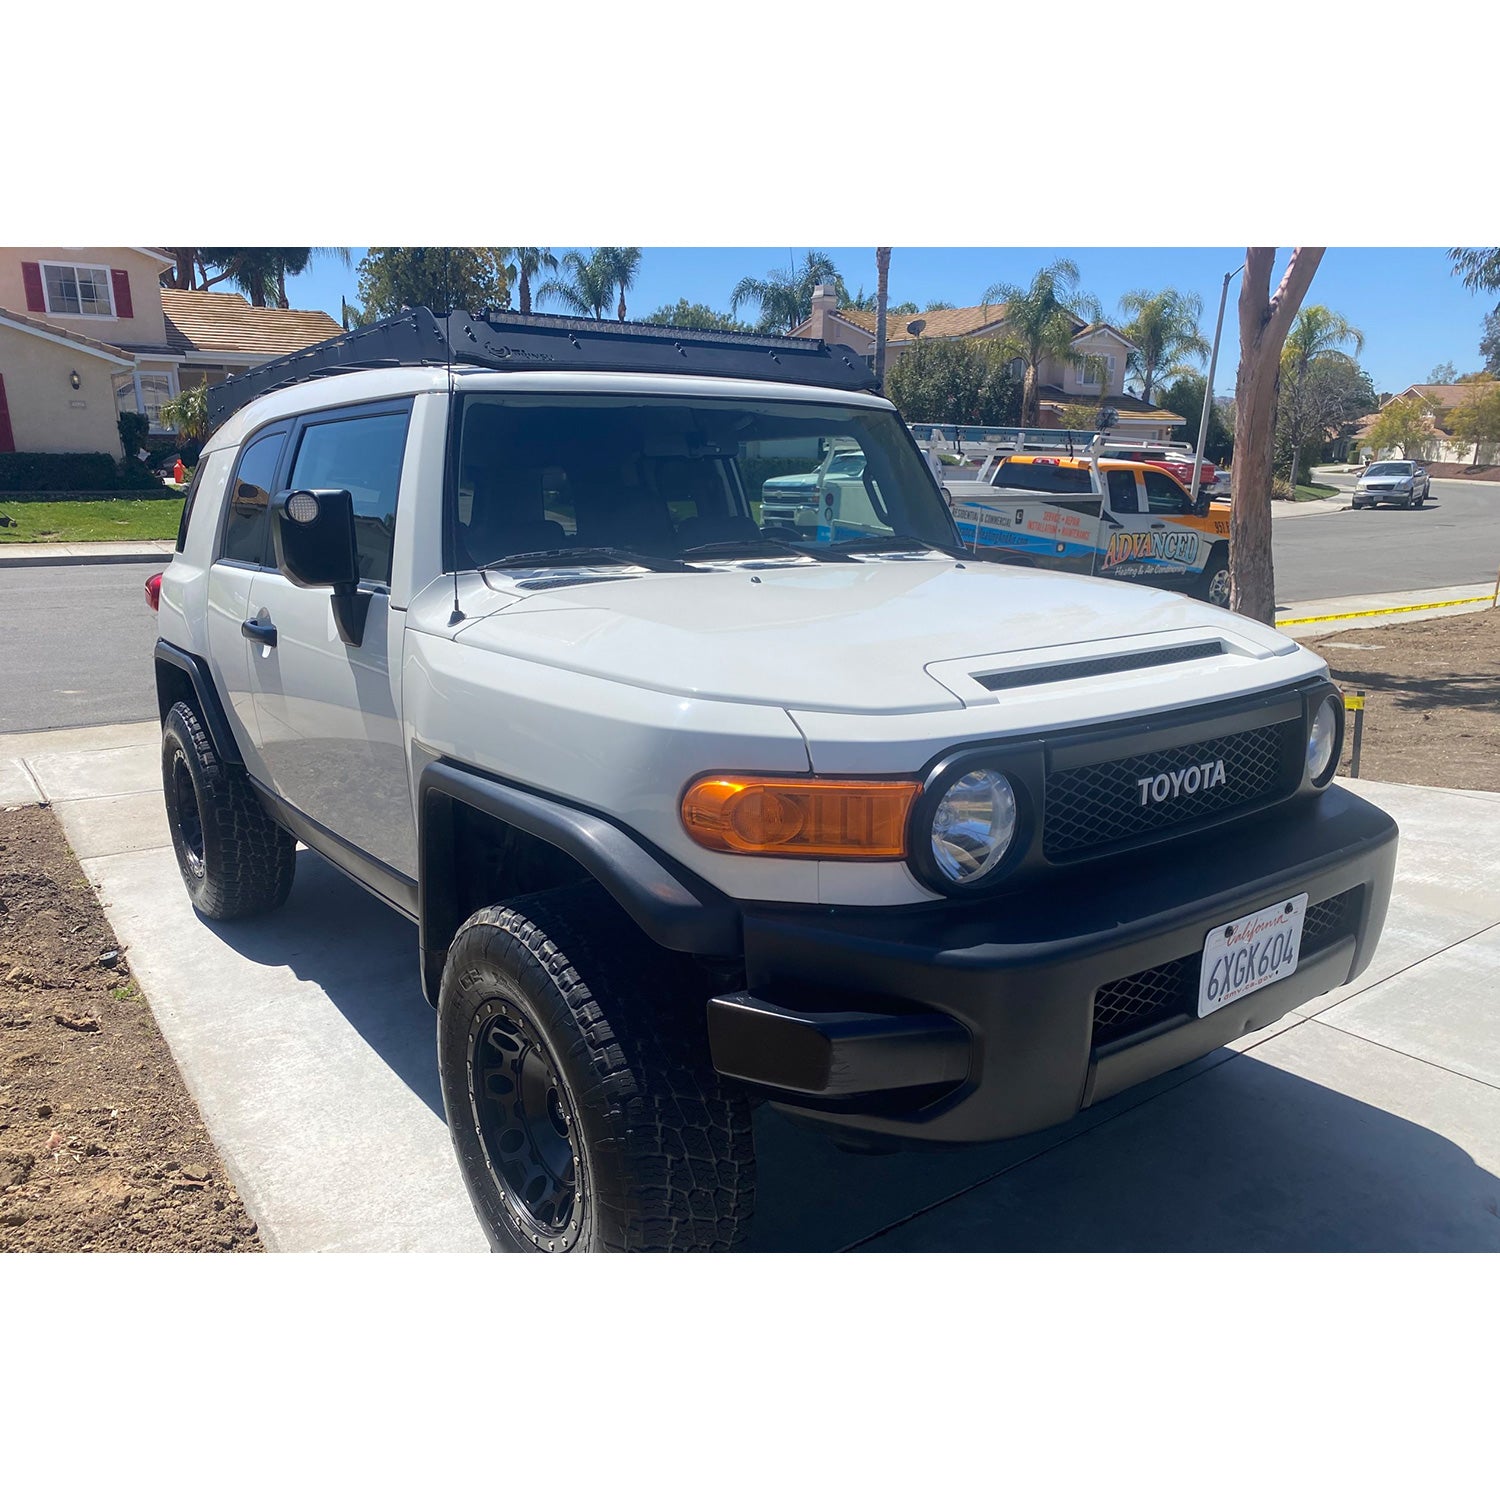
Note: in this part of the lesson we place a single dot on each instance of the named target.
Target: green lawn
(90, 520)
(1315, 491)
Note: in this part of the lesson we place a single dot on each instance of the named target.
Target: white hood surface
(854, 637)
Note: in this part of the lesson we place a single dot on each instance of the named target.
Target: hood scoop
(1098, 666)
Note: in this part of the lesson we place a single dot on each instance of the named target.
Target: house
(1060, 384)
(88, 334)
(1443, 446)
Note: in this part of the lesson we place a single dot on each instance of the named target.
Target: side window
(1164, 496)
(362, 455)
(245, 528)
(1123, 500)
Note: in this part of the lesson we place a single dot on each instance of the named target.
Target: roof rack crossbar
(509, 341)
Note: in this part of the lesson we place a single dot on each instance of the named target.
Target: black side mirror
(1202, 505)
(313, 532)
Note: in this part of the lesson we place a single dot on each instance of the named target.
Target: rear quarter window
(1045, 479)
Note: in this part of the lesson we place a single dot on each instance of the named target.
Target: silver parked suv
(694, 811)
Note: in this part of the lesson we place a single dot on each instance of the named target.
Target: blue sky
(1414, 313)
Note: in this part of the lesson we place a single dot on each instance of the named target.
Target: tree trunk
(525, 292)
(1030, 406)
(1264, 323)
(882, 284)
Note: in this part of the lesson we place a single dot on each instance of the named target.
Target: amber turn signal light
(810, 818)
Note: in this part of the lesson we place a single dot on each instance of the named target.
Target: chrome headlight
(1323, 742)
(973, 825)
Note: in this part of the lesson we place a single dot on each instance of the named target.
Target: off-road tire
(661, 1147)
(236, 863)
(1216, 568)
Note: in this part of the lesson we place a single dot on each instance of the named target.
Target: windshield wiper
(892, 541)
(584, 557)
(745, 547)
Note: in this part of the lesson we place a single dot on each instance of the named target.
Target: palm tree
(785, 297)
(1317, 336)
(1164, 329)
(882, 297)
(1041, 327)
(526, 261)
(623, 263)
(586, 286)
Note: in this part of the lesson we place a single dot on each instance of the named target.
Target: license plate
(1249, 953)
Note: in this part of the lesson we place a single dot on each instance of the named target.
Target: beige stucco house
(1060, 384)
(1442, 446)
(88, 333)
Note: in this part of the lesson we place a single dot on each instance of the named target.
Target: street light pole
(1208, 389)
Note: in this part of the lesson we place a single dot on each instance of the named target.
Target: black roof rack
(510, 341)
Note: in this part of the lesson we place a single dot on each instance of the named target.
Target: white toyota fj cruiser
(693, 812)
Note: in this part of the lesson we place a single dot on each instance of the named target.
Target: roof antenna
(458, 615)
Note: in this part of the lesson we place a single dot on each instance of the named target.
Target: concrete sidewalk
(1365, 611)
(1369, 1119)
(48, 554)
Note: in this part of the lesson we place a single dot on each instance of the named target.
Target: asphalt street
(75, 640)
(1454, 538)
(75, 646)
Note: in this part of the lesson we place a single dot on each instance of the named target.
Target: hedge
(39, 472)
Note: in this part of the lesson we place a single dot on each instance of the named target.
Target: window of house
(1089, 379)
(77, 291)
(146, 392)
(363, 455)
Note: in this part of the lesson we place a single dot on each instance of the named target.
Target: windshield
(1402, 469)
(657, 478)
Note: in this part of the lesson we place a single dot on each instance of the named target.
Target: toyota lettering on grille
(1167, 785)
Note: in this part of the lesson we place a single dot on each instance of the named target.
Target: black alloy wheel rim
(527, 1126)
(189, 819)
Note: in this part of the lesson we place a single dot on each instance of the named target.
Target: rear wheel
(234, 860)
(584, 1110)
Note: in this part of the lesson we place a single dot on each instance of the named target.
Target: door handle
(261, 631)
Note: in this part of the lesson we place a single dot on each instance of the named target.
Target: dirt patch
(101, 1146)
(1432, 705)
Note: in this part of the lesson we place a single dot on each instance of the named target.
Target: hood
(849, 638)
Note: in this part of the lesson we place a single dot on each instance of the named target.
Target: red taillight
(153, 591)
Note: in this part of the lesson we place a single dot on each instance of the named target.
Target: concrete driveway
(1369, 1119)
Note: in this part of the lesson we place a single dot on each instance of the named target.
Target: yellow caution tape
(1397, 609)
(1353, 701)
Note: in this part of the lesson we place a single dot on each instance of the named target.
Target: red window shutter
(120, 281)
(31, 275)
(7, 437)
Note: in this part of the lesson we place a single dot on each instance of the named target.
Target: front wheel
(1213, 582)
(584, 1110)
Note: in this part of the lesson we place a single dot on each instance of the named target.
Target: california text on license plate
(1249, 953)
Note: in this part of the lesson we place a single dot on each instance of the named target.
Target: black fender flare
(673, 907)
(215, 720)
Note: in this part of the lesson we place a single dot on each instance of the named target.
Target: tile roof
(942, 323)
(1127, 406)
(226, 322)
(68, 335)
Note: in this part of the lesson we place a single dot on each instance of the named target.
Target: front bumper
(978, 1021)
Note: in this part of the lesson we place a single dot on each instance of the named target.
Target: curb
(65, 558)
(1396, 609)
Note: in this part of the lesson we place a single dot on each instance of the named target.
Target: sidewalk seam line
(1356, 1036)
(1370, 989)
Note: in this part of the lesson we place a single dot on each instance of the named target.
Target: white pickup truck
(692, 814)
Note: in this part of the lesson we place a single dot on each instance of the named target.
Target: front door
(328, 713)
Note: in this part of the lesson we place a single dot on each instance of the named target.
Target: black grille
(1091, 808)
(1125, 1006)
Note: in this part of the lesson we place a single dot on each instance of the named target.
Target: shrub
(134, 431)
(96, 473)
